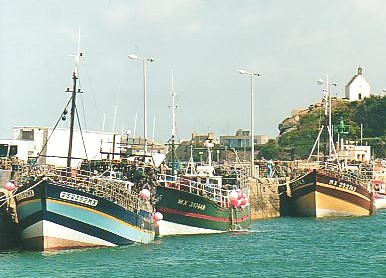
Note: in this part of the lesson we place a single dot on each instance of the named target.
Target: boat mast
(73, 102)
(173, 107)
(329, 149)
(326, 121)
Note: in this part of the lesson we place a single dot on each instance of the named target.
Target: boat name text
(25, 194)
(298, 183)
(342, 185)
(191, 204)
(78, 198)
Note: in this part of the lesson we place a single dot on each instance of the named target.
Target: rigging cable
(81, 132)
(84, 112)
(56, 125)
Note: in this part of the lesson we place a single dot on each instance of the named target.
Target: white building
(16, 148)
(55, 150)
(354, 153)
(358, 87)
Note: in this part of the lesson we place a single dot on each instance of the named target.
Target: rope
(81, 99)
(29, 188)
(81, 133)
(45, 144)
(84, 112)
(288, 190)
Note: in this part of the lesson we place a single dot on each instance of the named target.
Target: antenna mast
(75, 76)
(173, 107)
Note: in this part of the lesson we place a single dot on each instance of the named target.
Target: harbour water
(279, 247)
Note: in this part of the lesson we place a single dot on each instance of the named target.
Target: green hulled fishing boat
(201, 202)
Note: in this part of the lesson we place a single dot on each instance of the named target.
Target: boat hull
(380, 200)
(187, 213)
(319, 194)
(9, 234)
(56, 216)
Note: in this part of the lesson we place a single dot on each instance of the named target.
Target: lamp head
(133, 57)
(244, 72)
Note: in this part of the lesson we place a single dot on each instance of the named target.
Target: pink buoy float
(145, 194)
(235, 203)
(239, 195)
(158, 216)
(10, 186)
(233, 195)
(244, 201)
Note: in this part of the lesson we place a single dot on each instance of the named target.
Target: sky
(291, 44)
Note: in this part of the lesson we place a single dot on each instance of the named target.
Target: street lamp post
(252, 74)
(145, 61)
(200, 153)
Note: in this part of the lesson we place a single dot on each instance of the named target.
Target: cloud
(198, 26)
(249, 20)
(155, 10)
(375, 7)
(149, 11)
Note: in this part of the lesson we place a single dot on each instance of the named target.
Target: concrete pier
(264, 197)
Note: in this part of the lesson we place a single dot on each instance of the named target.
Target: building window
(360, 96)
(12, 150)
(27, 135)
(3, 150)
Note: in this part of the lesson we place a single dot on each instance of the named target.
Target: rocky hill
(299, 132)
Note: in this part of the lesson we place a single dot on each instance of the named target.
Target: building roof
(355, 76)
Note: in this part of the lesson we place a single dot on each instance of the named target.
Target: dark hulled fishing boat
(327, 192)
(9, 234)
(328, 188)
(10, 168)
(62, 207)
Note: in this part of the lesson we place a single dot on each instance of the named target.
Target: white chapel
(358, 87)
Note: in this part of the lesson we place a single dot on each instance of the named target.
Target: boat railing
(211, 191)
(354, 174)
(114, 190)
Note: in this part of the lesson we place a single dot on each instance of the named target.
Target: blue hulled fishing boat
(60, 208)
(63, 207)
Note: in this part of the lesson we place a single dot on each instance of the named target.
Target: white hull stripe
(101, 221)
(167, 228)
(48, 229)
(380, 203)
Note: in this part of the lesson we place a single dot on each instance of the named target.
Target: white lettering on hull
(25, 194)
(342, 185)
(191, 204)
(78, 198)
